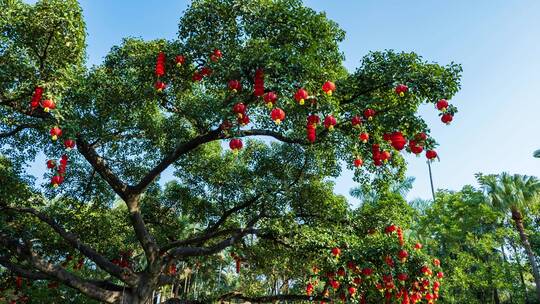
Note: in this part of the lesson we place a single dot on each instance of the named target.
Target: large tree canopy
(269, 73)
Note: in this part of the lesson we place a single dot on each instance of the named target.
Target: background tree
(106, 228)
(514, 193)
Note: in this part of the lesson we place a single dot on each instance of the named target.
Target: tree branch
(60, 274)
(276, 135)
(16, 130)
(180, 150)
(100, 165)
(118, 272)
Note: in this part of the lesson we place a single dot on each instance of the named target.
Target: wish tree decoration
(402, 274)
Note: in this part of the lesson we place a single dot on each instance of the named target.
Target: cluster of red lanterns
(258, 81)
(124, 260)
(58, 169)
(351, 281)
(443, 106)
(37, 101)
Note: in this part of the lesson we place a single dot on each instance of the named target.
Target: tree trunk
(516, 216)
(496, 296)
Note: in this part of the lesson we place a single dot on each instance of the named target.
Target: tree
(514, 193)
(132, 117)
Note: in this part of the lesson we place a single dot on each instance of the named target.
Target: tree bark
(518, 220)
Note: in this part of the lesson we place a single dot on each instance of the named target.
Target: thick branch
(276, 135)
(16, 130)
(180, 150)
(100, 165)
(203, 251)
(199, 240)
(22, 271)
(120, 273)
(59, 273)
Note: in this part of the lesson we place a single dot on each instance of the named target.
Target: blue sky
(497, 42)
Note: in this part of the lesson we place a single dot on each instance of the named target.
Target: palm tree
(372, 195)
(514, 193)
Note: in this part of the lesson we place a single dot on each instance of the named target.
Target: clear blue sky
(497, 42)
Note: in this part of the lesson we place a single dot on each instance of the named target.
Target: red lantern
(363, 137)
(51, 164)
(309, 289)
(311, 132)
(436, 262)
(417, 246)
(356, 121)
(216, 55)
(402, 255)
(336, 251)
(313, 120)
(270, 99)
(160, 64)
(55, 133)
(239, 109)
(440, 275)
(369, 113)
(367, 271)
(401, 89)
(69, 144)
(329, 122)
(197, 76)
(36, 98)
(442, 105)
(358, 162)
(328, 87)
(160, 86)
(431, 154)
(352, 291)
(397, 140)
(259, 83)
(179, 59)
(206, 71)
(402, 277)
(56, 180)
(385, 156)
(244, 120)
(48, 105)
(278, 115)
(447, 118)
(234, 85)
(421, 136)
(300, 96)
(236, 145)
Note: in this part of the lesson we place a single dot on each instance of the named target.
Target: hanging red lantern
(160, 86)
(278, 115)
(401, 89)
(180, 60)
(51, 164)
(56, 180)
(447, 118)
(36, 97)
(239, 109)
(328, 87)
(234, 85)
(69, 144)
(216, 55)
(55, 132)
(197, 76)
(358, 162)
(442, 105)
(329, 122)
(48, 105)
(369, 114)
(397, 140)
(270, 99)
(431, 154)
(300, 96)
(160, 64)
(356, 121)
(363, 137)
(259, 83)
(236, 145)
